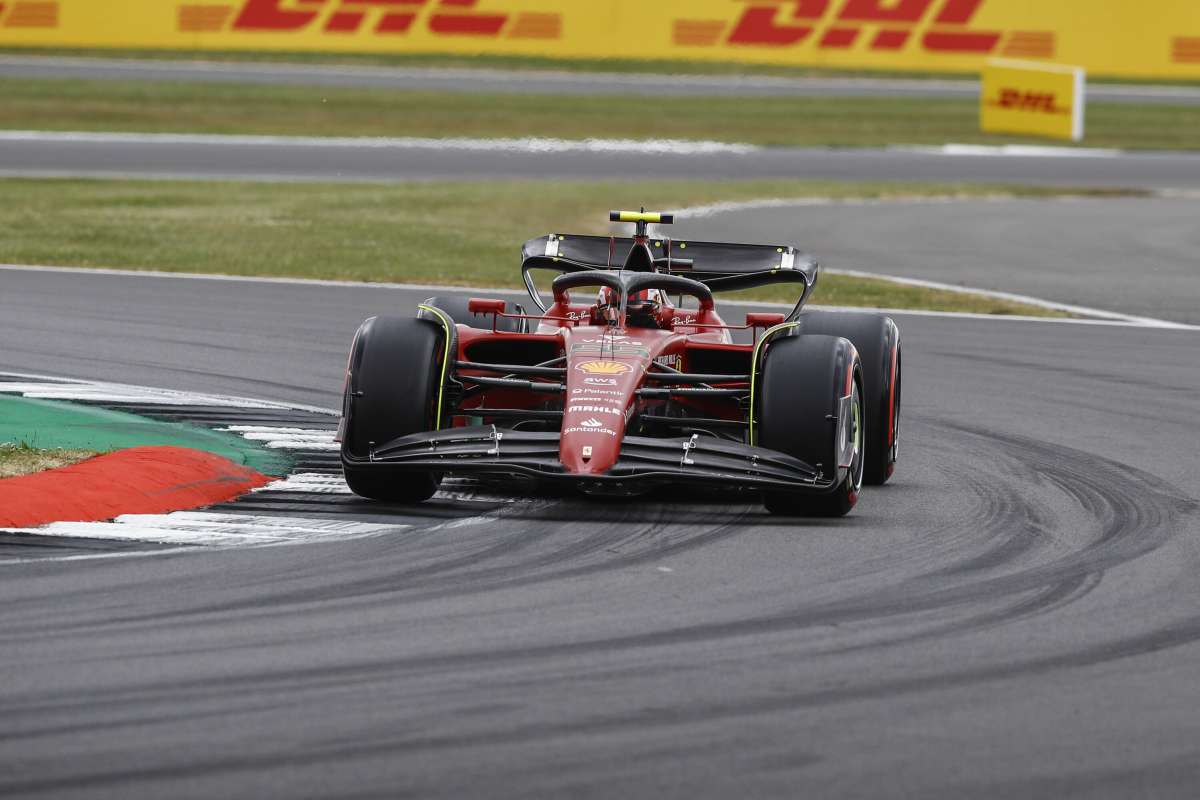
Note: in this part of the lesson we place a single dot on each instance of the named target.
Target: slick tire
(457, 308)
(392, 390)
(877, 340)
(803, 380)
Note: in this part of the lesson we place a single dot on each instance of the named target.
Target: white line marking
(39, 559)
(110, 393)
(198, 276)
(212, 529)
(1098, 315)
(523, 145)
(1102, 317)
(713, 209)
(286, 438)
(309, 483)
(1148, 322)
(74, 388)
(1014, 151)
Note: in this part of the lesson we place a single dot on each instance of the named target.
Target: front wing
(643, 460)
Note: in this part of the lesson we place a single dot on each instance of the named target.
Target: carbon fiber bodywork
(644, 462)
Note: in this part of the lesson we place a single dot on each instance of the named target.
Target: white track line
(285, 438)
(309, 483)
(76, 389)
(1013, 151)
(523, 145)
(732, 206)
(212, 529)
(1147, 322)
(1097, 315)
(1100, 317)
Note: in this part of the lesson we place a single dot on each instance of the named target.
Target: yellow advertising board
(1031, 98)
(1107, 37)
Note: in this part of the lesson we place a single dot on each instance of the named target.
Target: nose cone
(599, 391)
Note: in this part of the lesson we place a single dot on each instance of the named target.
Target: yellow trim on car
(640, 216)
(448, 325)
(754, 366)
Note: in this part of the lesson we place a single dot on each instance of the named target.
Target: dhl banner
(1135, 38)
(1026, 97)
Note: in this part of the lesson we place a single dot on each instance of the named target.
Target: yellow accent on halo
(640, 216)
(603, 367)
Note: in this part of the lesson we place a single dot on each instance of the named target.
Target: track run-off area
(1014, 615)
(35, 153)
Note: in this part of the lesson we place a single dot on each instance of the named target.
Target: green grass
(23, 459)
(516, 62)
(455, 233)
(152, 106)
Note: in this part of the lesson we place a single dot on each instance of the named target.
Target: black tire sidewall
(877, 339)
(393, 391)
(803, 380)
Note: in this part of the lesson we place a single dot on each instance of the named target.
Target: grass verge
(22, 459)
(455, 233)
(185, 107)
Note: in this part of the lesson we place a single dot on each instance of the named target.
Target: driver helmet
(643, 309)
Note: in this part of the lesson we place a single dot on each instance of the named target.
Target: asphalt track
(1134, 255)
(429, 79)
(297, 158)
(1014, 616)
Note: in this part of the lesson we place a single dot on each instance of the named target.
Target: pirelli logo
(882, 25)
(376, 17)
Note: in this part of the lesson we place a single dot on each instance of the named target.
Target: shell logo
(603, 367)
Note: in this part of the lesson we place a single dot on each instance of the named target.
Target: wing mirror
(478, 305)
(763, 320)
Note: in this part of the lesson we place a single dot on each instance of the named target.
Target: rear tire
(803, 380)
(461, 313)
(877, 340)
(392, 391)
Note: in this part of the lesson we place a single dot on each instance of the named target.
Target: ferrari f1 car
(627, 379)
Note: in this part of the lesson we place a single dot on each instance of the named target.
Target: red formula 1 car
(616, 389)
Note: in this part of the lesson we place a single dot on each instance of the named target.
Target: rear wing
(719, 265)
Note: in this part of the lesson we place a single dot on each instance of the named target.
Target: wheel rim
(856, 433)
(895, 454)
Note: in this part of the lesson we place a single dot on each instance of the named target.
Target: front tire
(804, 379)
(877, 340)
(392, 390)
